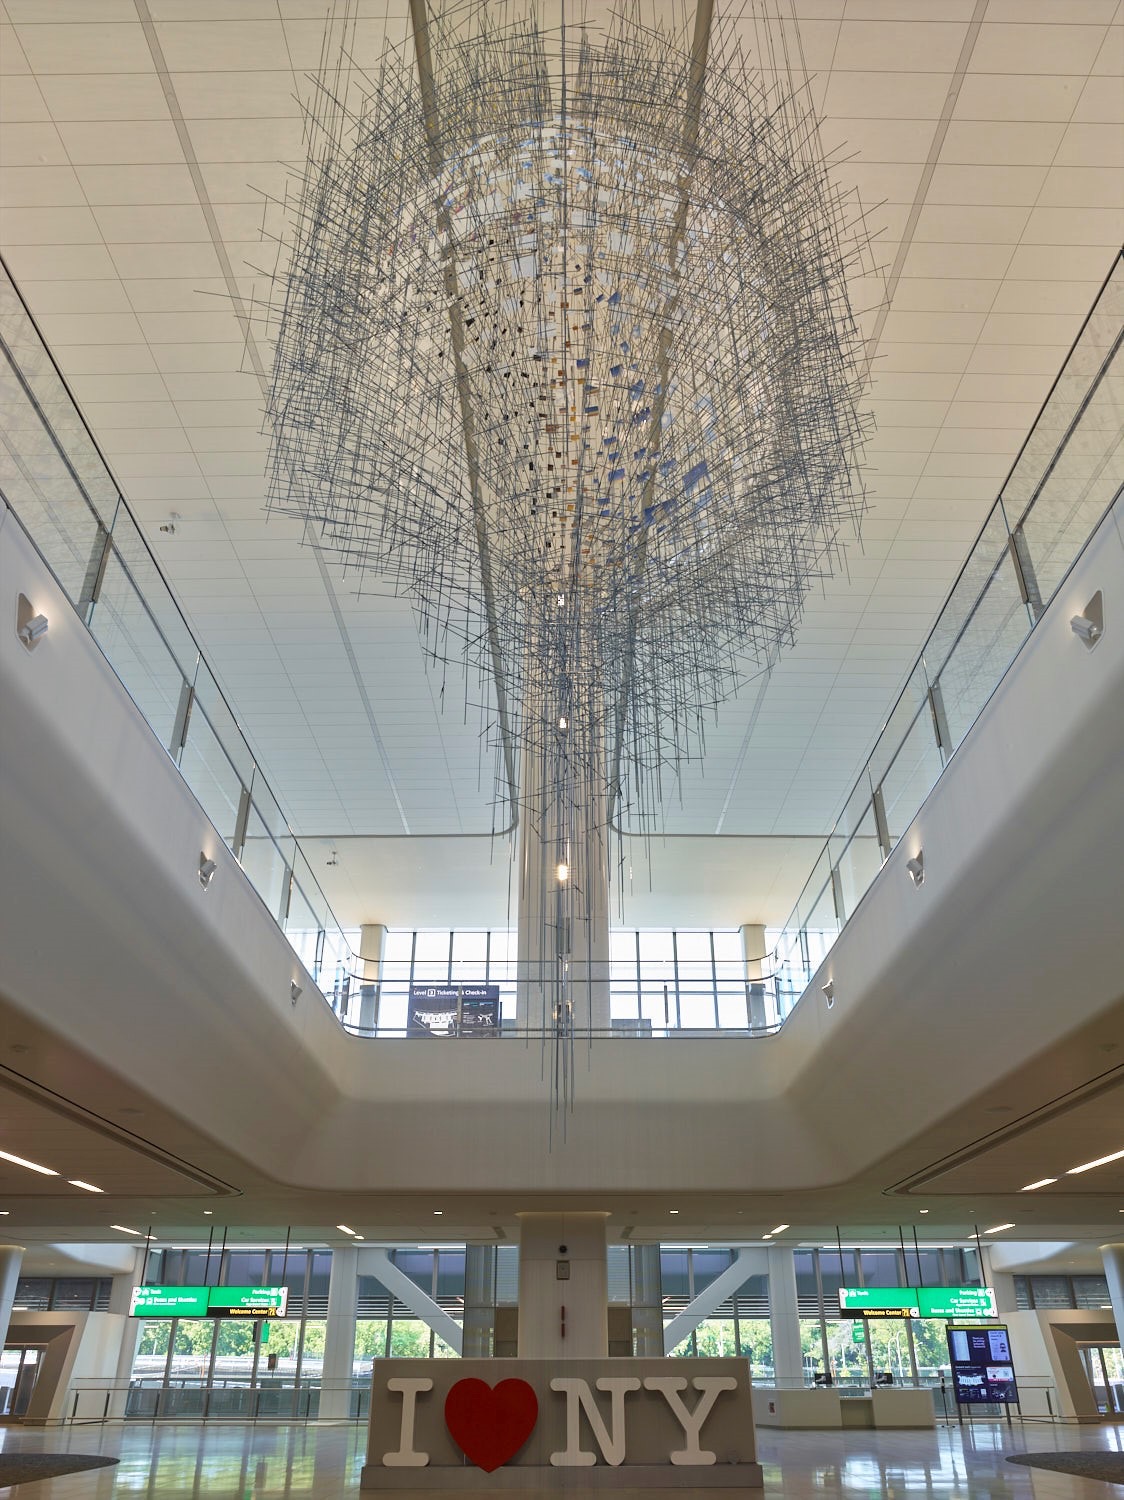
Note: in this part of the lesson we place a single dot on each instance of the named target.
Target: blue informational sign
(454, 1010)
(982, 1370)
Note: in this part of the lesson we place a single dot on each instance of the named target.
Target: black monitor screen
(982, 1371)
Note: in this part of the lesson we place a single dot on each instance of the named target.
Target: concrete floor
(234, 1462)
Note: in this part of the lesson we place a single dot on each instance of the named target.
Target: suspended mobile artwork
(564, 350)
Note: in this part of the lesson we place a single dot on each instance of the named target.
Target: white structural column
(11, 1258)
(371, 937)
(563, 924)
(120, 1299)
(1113, 1257)
(339, 1334)
(784, 1317)
(377, 1262)
(744, 1265)
(563, 1286)
(479, 1301)
(647, 1302)
(753, 951)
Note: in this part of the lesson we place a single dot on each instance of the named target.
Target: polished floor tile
(234, 1462)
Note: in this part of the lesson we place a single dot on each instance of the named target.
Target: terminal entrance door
(19, 1370)
(1104, 1368)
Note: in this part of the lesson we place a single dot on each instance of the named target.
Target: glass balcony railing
(1068, 474)
(60, 489)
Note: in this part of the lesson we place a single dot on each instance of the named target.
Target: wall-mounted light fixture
(1088, 626)
(207, 868)
(31, 626)
(829, 993)
(916, 867)
(295, 992)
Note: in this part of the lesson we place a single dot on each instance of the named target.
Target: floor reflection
(235, 1462)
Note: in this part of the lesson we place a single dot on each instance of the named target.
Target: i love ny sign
(506, 1418)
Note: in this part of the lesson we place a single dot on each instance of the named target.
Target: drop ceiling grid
(984, 310)
(131, 432)
(980, 427)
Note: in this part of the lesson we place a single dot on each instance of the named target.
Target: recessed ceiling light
(124, 1228)
(780, 1229)
(208, 1211)
(1073, 1171)
(1033, 1186)
(922, 1210)
(673, 1210)
(437, 1212)
(4, 1212)
(87, 1186)
(998, 1228)
(345, 1230)
(32, 1166)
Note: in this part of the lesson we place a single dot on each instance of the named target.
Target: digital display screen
(982, 1369)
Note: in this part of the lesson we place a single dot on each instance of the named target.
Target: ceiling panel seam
(935, 148)
(254, 354)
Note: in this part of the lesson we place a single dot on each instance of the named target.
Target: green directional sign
(168, 1302)
(878, 1301)
(957, 1302)
(917, 1301)
(247, 1301)
(209, 1301)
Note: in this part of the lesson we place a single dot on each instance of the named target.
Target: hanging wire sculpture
(564, 350)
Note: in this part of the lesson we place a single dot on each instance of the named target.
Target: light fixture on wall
(295, 992)
(916, 867)
(31, 626)
(829, 993)
(207, 868)
(1088, 626)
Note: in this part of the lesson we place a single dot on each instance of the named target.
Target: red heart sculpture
(491, 1425)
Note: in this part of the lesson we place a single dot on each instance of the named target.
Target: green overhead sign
(917, 1301)
(957, 1302)
(209, 1301)
(169, 1302)
(879, 1301)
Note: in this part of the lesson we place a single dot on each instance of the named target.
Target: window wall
(386, 1329)
(659, 981)
(192, 1354)
(738, 1327)
(442, 956)
(853, 1352)
(53, 1293)
(1062, 1291)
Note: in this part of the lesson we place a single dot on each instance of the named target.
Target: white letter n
(579, 1398)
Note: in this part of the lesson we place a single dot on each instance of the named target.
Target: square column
(563, 1286)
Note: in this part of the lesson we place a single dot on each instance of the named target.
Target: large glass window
(409, 1338)
(755, 1343)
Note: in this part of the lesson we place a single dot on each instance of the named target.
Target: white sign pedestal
(524, 1425)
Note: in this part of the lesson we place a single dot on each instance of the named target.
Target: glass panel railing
(1068, 475)
(60, 489)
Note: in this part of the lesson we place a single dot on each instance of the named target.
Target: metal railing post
(182, 721)
(1025, 576)
(940, 722)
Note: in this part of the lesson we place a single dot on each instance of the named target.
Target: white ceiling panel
(999, 189)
